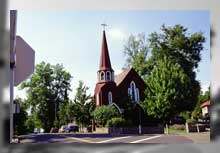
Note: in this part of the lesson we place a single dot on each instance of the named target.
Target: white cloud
(116, 33)
(204, 87)
(118, 71)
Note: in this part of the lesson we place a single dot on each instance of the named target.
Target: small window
(110, 97)
(108, 75)
(138, 95)
(102, 74)
(133, 91)
(112, 76)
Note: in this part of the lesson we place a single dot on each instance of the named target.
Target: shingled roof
(120, 77)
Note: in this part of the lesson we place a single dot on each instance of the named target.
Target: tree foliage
(182, 49)
(169, 70)
(82, 105)
(20, 118)
(136, 51)
(46, 90)
(204, 96)
(104, 113)
(167, 89)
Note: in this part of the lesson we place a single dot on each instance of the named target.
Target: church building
(111, 88)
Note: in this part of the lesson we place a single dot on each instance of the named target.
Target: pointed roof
(207, 103)
(105, 63)
(122, 76)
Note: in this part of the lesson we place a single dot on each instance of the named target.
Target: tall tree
(184, 50)
(83, 105)
(136, 51)
(46, 90)
(167, 89)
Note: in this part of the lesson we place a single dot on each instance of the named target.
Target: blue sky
(73, 38)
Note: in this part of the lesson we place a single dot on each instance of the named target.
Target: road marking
(157, 136)
(112, 139)
(79, 139)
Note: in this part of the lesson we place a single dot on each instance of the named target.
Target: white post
(187, 127)
(167, 129)
(197, 126)
(140, 132)
(13, 16)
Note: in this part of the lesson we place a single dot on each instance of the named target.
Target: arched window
(102, 75)
(112, 76)
(133, 91)
(138, 95)
(110, 97)
(108, 75)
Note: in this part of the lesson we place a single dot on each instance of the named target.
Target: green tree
(82, 105)
(183, 49)
(64, 113)
(20, 118)
(204, 96)
(167, 89)
(136, 51)
(46, 90)
(104, 113)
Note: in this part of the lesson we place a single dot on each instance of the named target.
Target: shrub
(103, 113)
(178, 126)
(191, 121)
(186, 115)
(118, 122)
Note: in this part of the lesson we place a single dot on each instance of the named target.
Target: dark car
(72, 128)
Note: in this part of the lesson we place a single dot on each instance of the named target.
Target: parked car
(63, 129)
(54, 130)
(69, 128)
(38, 130)
(72, 128)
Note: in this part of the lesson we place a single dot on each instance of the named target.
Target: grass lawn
(175, 131)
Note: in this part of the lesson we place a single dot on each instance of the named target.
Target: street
(106, 138)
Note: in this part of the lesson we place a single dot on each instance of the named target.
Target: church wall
(132, 76)
(103, 93)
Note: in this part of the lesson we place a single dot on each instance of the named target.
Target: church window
(110, 97)
(133, 91)
(138, 95)
(102, 74)
(112, 76)
(108, 75)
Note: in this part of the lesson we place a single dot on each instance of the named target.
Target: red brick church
(111, 88)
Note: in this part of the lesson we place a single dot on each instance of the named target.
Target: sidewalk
(203, 137)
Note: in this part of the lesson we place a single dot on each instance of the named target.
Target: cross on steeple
(104, 25)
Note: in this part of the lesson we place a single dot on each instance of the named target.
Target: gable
(127, 76)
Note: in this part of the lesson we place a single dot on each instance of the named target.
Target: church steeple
(105, 63)
(105, 72)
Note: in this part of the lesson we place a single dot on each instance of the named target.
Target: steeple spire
(105, 63)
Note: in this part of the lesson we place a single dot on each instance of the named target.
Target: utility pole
(13, 17)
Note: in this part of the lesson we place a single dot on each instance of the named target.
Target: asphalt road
(104, 138)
